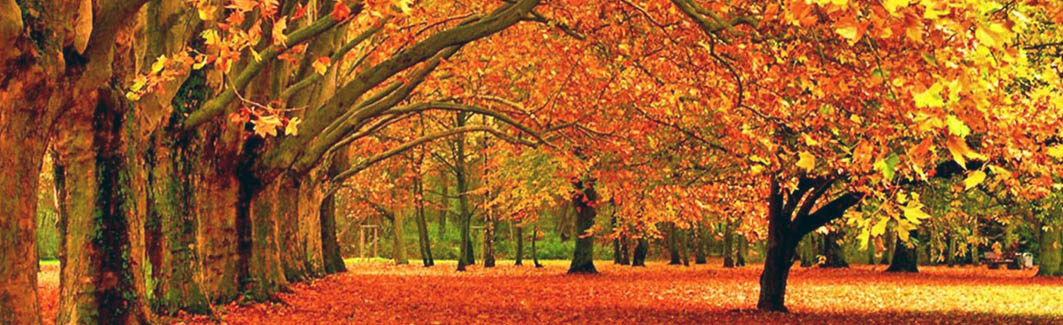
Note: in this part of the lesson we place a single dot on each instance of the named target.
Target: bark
(24, 133)
(1051, 255)
(904, 258)
(330, 246)
(777, 265)
(638, 258)
(103, 228)
(584, 201)
(806, 252)
(520, 246)
(220, 198)
(261, 274)
(287, 217)
(684, 245)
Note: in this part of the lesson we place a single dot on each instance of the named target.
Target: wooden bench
(994, 260)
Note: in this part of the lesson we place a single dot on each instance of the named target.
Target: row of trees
(201, 147)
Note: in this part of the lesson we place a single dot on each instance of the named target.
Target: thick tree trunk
(292, 255)
(103, 231)
(584, 202)
(1051, 255)
(330, 246)
(260, 267)
(520, 246)
(220, 202)
(465, 255)
(625, 250)
(777, 263)
(24, 131)
(904, 258)
(638, 258)
(832, 251)
(171, 230)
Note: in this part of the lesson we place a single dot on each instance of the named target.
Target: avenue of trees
(203, 152)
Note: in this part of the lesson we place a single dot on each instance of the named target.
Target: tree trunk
(616, 240)
(891, 245)
(950, 250)
(625, 250)
(287, 215)
(975, 260)
(465, 256)
(103, 229)
(398, 243)
(832, 251)
(444, 202)
(1051, 257)
(260, 267)
(489, 242)
(740, 253)
(534, 253)
(699, 245)
(584, 201)
(904, 258)
(806, 252)
(520, 246)
(422, 224)
(330, 246)
(777, 263)
(638, 258)
(672, 242)
(728, 246)
(223, 204)
(171, 229)
(24, 133)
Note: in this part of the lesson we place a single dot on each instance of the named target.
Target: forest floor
(381, 293)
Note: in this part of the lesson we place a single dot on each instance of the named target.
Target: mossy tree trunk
(330, 246)
(102, 234)
(1051, 255)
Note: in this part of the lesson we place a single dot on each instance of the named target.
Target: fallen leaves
(383, 293)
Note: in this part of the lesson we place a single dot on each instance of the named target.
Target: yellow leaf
(974, 179)
(893, 5)
(957, 127)
(1056, 151)
(806, 161)
(914, 212)
(880, 227)
(993, 36)
(211, 37)
(321, 65)
(278, 32)
(402, 5)
(159, 64)
(266, 125)
(929, 98)
(293, 126)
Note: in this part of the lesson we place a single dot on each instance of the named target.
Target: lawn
(378, 292)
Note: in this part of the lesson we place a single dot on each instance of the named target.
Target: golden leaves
(806, 161)
(321, 65)
(266, 125)
(972, 180)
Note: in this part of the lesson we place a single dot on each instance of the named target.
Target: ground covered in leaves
(378, 292)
